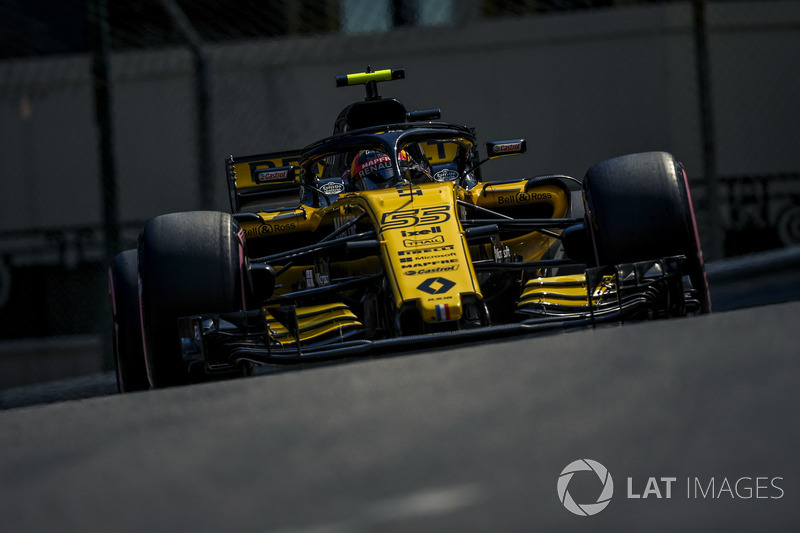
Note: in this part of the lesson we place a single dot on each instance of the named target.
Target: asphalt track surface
(472, 438)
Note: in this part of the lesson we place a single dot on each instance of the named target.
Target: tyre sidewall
(637, 208)
(189, 264)
(126, 332)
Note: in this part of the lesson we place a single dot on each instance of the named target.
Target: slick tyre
(126, 332)
(638, 207)
(189, 263)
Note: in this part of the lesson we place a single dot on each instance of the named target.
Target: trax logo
(434, 229)
(408, 243)
(436, 285)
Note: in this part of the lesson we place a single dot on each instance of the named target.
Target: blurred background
(115, 112)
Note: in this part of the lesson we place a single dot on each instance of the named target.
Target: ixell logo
(585, 509)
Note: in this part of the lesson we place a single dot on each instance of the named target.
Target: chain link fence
(582, 80)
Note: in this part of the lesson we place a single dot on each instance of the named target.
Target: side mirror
(496, 149)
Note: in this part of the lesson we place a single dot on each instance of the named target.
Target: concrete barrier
(28, 361)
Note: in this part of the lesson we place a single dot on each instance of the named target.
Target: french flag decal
(442, 312)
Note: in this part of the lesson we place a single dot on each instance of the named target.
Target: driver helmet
(415, 170)
(373, 170)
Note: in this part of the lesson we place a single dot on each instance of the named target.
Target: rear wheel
(189, 263)
(638, 207)
(126, 330)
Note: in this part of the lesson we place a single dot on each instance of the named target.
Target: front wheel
(638, 207)
(189, 264)
(126, 330)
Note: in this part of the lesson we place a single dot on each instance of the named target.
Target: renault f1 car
(396, 241)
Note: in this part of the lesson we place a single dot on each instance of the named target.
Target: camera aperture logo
(747, 487)
(585, 509)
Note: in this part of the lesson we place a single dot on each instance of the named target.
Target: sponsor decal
(523, 197)
(377, 162)
(434, 270)
(426, 250)
(506, 199)
(507, 147)
(332, 187)
(436, 285)
(446, 174)
(408, 243)
(284, 227)
(424, 263)
(435, 229)
(268, 229)
(258, 231)
(424, 258)
(374, 166)
(264, 176)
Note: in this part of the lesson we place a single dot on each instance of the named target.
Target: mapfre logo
(585, 509)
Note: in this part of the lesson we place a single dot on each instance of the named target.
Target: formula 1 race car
(394, 241)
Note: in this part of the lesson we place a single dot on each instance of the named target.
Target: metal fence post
(202, 82)
(714, 248)
(99, 32)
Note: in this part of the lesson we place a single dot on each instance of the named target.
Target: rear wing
(258, 180)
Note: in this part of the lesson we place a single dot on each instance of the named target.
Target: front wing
(288, 335)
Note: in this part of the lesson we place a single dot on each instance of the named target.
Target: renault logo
(436, 285)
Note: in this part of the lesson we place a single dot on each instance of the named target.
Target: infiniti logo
(585, 509)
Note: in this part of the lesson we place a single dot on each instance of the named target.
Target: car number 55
(415, 217)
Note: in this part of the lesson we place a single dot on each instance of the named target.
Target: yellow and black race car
(394, 240)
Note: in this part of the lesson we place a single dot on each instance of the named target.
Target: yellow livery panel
(423, 247)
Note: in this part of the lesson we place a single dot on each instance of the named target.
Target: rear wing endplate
(256, 180)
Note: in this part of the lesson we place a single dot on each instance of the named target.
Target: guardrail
(749, 266)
